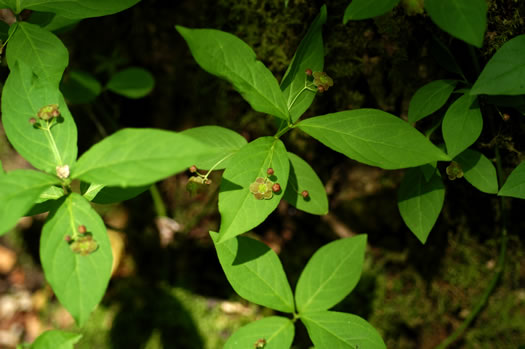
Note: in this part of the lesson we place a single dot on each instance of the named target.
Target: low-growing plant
(74, 248)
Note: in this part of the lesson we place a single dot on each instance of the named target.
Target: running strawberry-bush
(74, 248)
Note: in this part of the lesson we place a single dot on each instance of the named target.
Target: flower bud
(32, 121)
(305, 194)
(193, 169)
(82, 229)
(308, 72)
(48, 112)
(270, 171)
(62, 171)
(276, 188)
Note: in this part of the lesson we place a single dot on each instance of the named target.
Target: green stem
(499, 266)
(217, 164)
(52, 143)
(158, 203)
(283, 131)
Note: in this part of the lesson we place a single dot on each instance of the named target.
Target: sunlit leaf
(255, 272)
(420, 201)
(228, 57)
(79, 281)
(331, 274)
(373, 137)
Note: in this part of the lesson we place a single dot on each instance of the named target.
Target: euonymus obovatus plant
(75, 250)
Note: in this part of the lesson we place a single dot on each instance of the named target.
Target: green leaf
(22, 98)
(429, 99)
(334, 330)
(38, 48)
(363, 9)
(465, 19)
(504, 73)
(100, 194)
(478, 171)
(331, 274)
(275, 331)
(240, 210)
(420, 201)
(135, 157)
(132, 82)
(80, 87)
(74, 9)
(303, 177)
(255, 272)
(56, 339)
(79, 281)
(228, 57)
(462, 124)
(515, 184)
(223, 143)
(373, 137)
(309, 55)
(19, 190)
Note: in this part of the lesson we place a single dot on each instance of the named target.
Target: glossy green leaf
(515, 184)
(331, 274)
(462, 124)
(373, 137)
(478, 171)
(465, 19)
(39, 49)
(303, 177)
(19, 190)
(132, 82)
(228, 57)
(79, 281)
(429, 99)
(420, 201)
(75, 9)
(240, 210)
(334, 330)
(22, 98)
(136, 157)
(363, 9)
(275, 331)
(56, 339)
(504, 73)
(255, 272)
(223, 143)
(80, 87)
(101, 194)
(309, 55)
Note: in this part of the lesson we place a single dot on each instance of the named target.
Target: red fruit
(276, 188)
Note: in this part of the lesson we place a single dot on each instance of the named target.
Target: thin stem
(284, 130)
(499, 266)
(52, 143)
(217, 164)
(158, 203)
